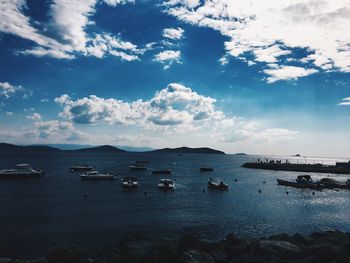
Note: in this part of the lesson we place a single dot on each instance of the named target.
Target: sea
(59, 209)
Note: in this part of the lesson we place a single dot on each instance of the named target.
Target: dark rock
(38, 260)
(68, 255)
(232, 240)
(282, 236)
(280, 248)
(134, 249)
(300, 240)
(326, 252)
(187, 242)
(196, 256)
(252, 259)
(164, 251)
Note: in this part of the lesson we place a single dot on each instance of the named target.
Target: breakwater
(308, 168)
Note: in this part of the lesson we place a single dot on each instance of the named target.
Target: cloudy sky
(265, 77)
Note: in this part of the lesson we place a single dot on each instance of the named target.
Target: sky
(261, 77)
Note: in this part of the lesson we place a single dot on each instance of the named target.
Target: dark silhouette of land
(11, 148)
(188, 150)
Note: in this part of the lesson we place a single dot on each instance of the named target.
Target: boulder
(281, 249)
(195, 256)
(187, 242)
(68, 255)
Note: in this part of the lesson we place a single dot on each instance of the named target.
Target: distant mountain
(10, 148)
(62, 146)
(240, 154)
(135, 149)
(188, 150)
(103, 148)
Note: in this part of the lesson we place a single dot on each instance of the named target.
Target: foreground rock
(331, 246)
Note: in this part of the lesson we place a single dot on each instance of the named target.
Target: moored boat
(332, 183)
(138, 167)
(167, 171)
(166, 184)
(81, 168)
(95, 175)
(302, 181)
(142, 161)
(21, 171)
(206, 169)
(129, 182)
(217, 185)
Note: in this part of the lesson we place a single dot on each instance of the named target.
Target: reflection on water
(39, 213)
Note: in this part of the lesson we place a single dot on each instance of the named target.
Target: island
(182, 150)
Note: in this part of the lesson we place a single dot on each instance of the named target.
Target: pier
(277, 165)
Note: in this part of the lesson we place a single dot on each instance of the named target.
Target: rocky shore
(330, 246)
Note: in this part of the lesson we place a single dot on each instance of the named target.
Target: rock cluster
(331, 246)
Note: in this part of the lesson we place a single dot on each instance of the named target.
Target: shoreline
(328, 246)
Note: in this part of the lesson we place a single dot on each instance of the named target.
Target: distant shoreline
(11, 148)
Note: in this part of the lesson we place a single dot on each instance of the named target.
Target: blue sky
(267, 77)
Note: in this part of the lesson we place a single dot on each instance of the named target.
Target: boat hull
(206, 169)
(315, 186)
(162, 172)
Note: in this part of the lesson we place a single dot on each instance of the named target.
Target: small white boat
(95, 175)
(166, 184)
(217, 185)
(129, 182)
(20, 171)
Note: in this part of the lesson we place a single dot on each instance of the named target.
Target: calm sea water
(39, 213)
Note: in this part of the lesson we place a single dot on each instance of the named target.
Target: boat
(142, 161)
(95, 176)
(206, 169)
(138, 167)
(21, 171)
(332, 183)
(129, 182)
(166, 184)
(81, 168)
(302, 181)
(168, 171)
(217, 185)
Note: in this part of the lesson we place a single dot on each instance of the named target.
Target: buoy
(86, 195)
(236, 180)
(287, 193)
(313, 193)
(259, 191)
(264, 182)
(145, 193)
(203, 190)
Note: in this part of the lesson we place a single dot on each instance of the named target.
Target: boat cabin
(304, 178)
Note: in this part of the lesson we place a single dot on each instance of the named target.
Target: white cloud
(174, 110)
(168, 57)
(42, 52)
(345, 102)
(9, 113)
(118, 2)
(35, 116)
(287, 73)
(65, 35)
(6, 89)
(271, 29)
(173, 33)
(56, 130)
